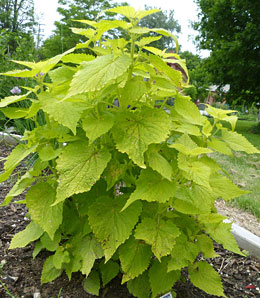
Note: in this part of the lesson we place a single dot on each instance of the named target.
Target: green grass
(244, 170)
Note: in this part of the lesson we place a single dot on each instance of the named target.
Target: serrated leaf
(15, 112)
(92, 283)
(132, 91)
(152, 187)
(174, 75)
(147, 40)
(140, 286)
(111, 226)
(77, 58)
(114, 172)
(206, 278)
(49, 272)
(80, 166)
(160, 279)
(221, 233)
(94, 75)
(186, 128)
(159, 164)
(185, 145)
(89, 249)
(64, 112)
(135, 257)
(12, 99)
(126, 11)
(108, 271)
(62, 74)
(196, 171)
(225, 188)
(39, 200)
(160, 234)
(238, 142)
(188, 110)
(193, 200)
(25, 73)
(205, 246)
(50, 244)
(183, 253)
(95, 126)
(31, 233)
(136, 130)
(48, 152)
(60, 257)
(15, 157)
(219, 146)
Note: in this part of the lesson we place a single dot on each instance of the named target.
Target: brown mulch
(21, 274)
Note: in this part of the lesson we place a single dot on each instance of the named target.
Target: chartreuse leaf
(64, 112)
(94, 75)
(219, 146)
(146, 40)
(131, 13)
(109, 271)
(39, 200)
(135, 130)
(205, 246)
(111, 226)
(14, 112)
(80, 166)
(31, 233)
(160, 234)
(224, 188)
(188, 110)
(203, 276)
(15, 157)
(12, 99)
(51, 244)
(135, 257)
(185, 145)
(92, 283)
(152, 187)
(220, 232)
(140, 286)
(49, 272)
(161, 280)
(132, 92)
(97, 125)
(77, 58)
(219, 114)
(183, 253)
(48, 152)
(62, 74)
(114, 172)
(192, 200)
(238, 142)
(158, 163)
(174, 75)
(60, 257)
(89, 250)
(196, 171)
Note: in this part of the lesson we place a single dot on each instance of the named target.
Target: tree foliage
(230, 30)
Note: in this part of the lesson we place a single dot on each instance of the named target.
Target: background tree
(230, 29)
(63, 38)
(200, 78)
(163, 19)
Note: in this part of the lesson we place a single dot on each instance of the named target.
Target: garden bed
(21, 274)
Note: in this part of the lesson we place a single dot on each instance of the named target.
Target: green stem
(132, 56)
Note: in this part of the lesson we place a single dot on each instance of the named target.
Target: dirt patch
(21, 274)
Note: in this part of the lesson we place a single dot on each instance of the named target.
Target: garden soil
(21, 274)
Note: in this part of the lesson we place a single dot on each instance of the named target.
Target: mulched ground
(21, 274)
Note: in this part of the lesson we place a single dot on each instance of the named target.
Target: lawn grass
(244, 170)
